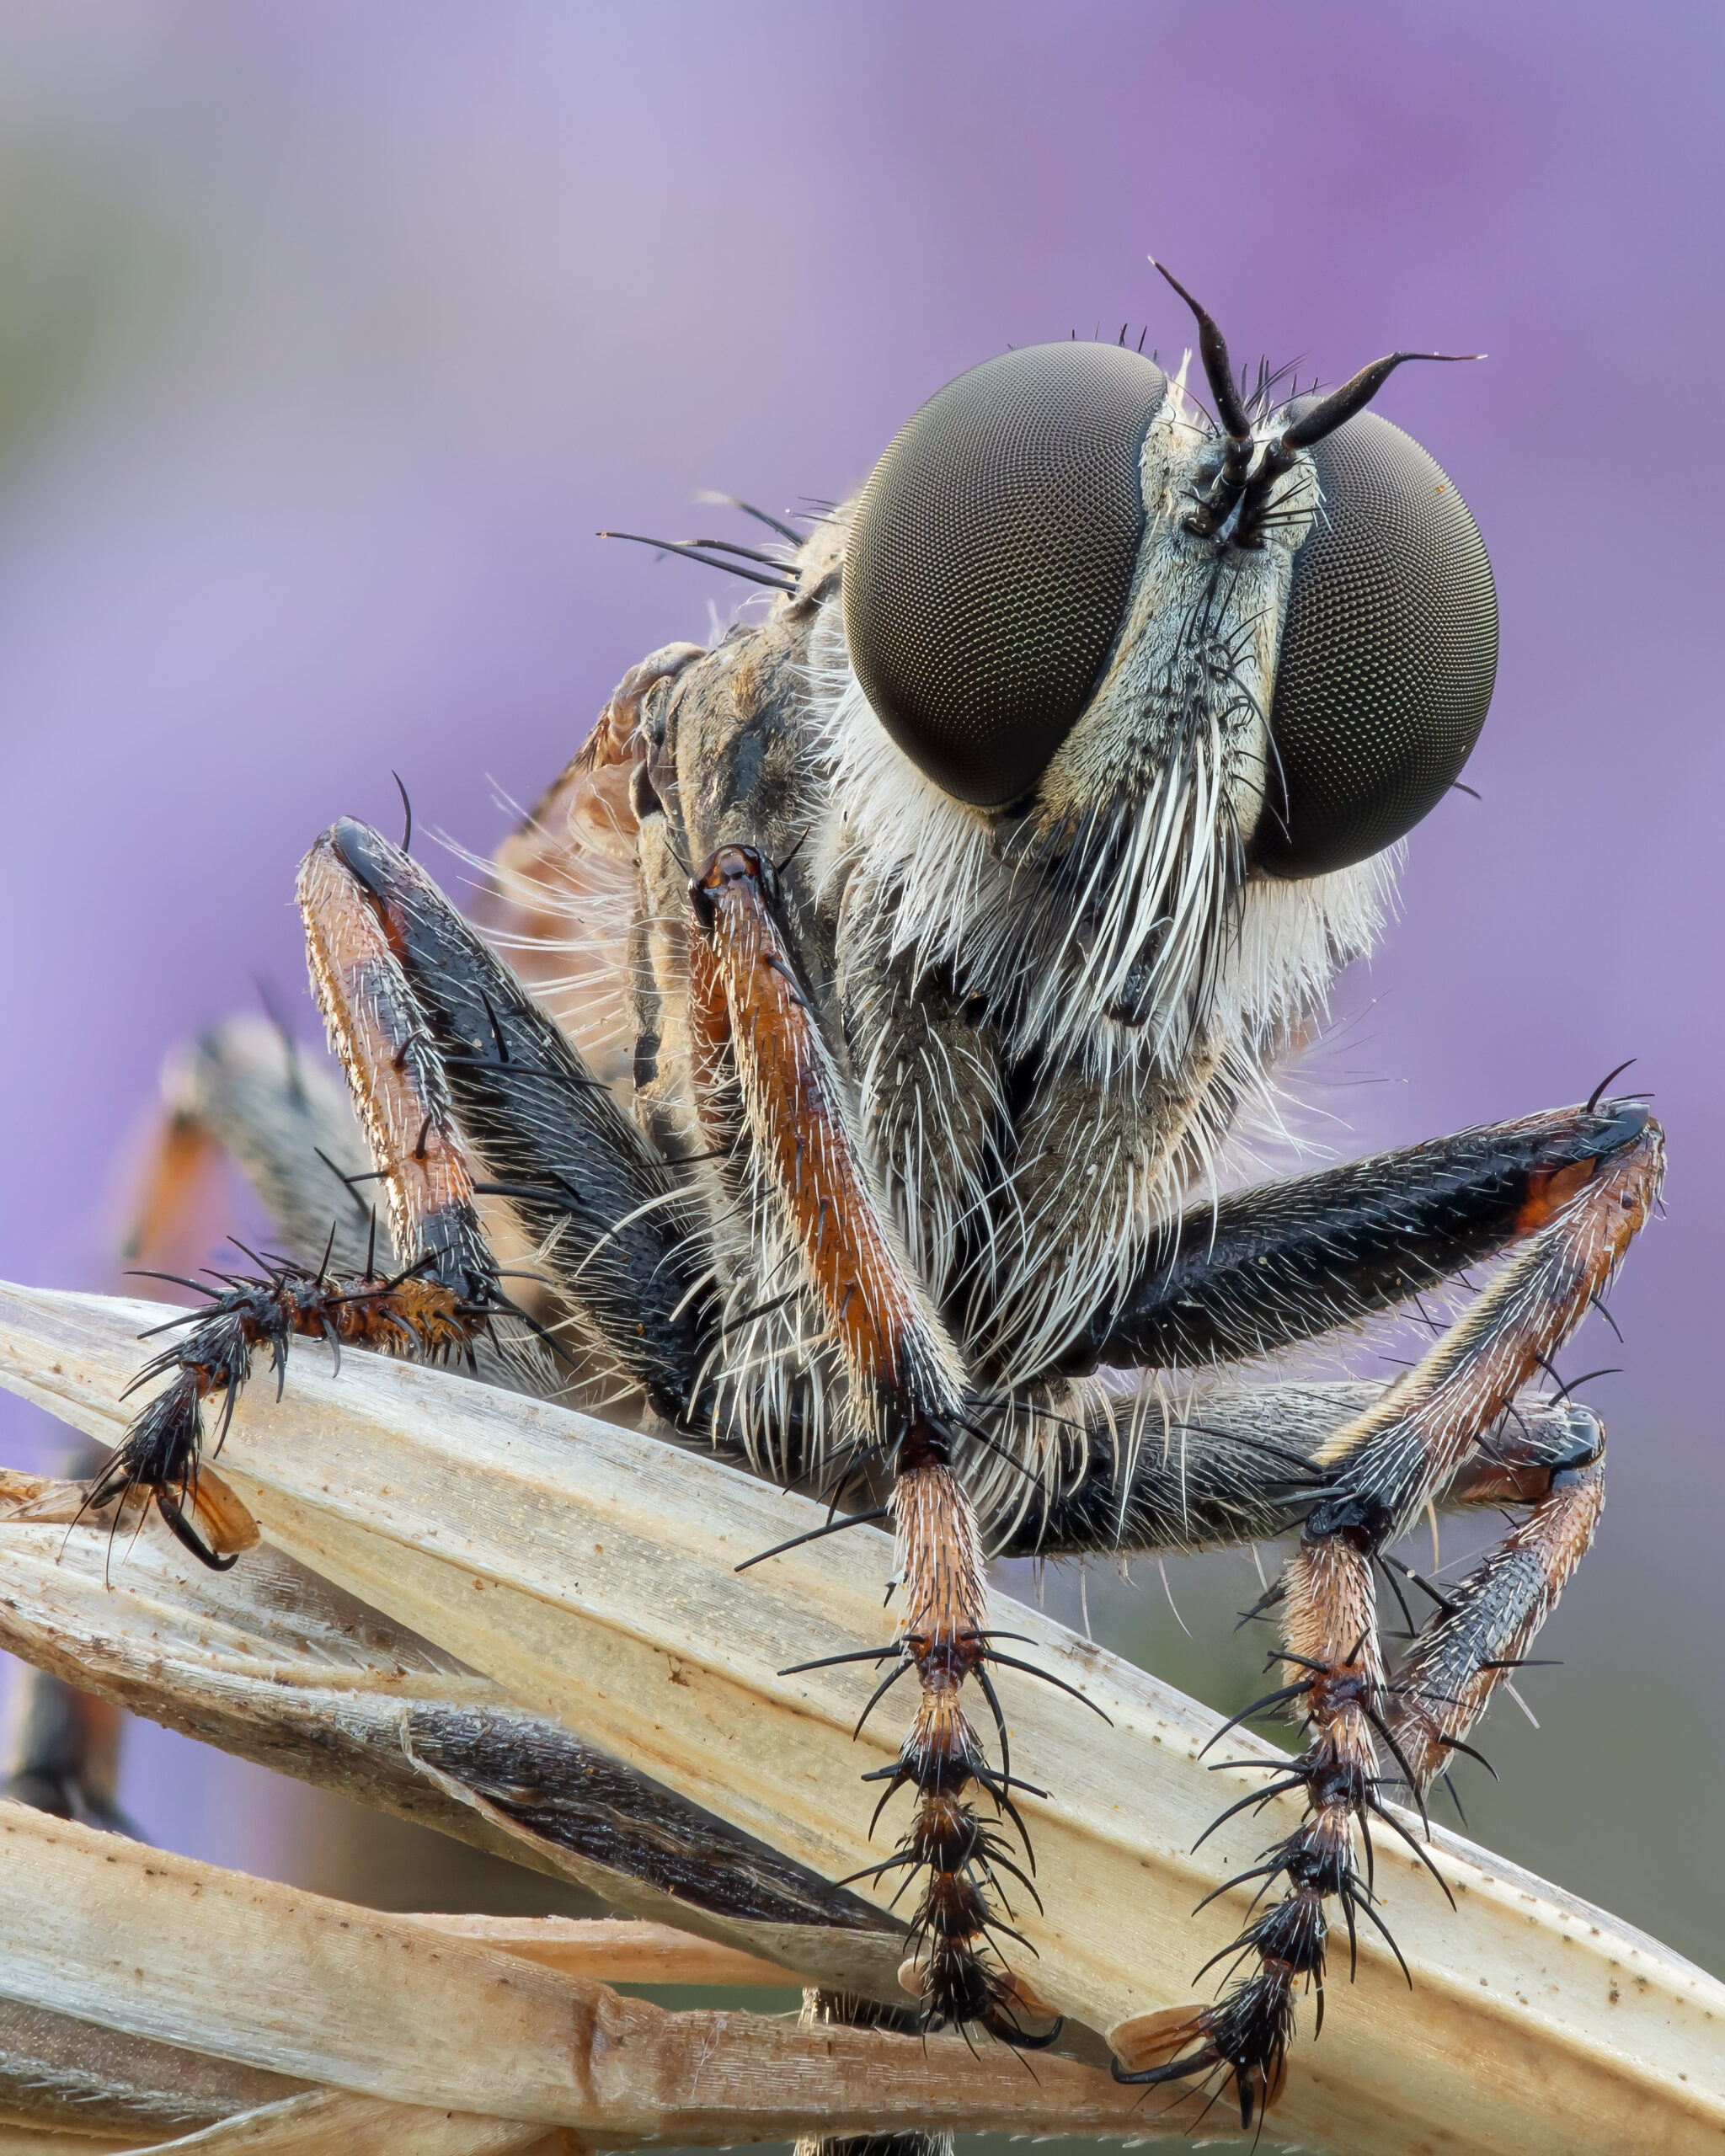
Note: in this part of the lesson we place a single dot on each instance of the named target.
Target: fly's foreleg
(759, 1060)
(606, 1216)
(443, 1293)
(1421, 1438)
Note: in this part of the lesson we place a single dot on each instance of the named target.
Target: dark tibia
(1285, 1262)
(574, 1168)
(1238, 1464)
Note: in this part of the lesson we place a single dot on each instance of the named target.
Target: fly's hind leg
(1425, 1435)
(1490, 1618)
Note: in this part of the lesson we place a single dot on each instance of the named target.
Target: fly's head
(1132, 707)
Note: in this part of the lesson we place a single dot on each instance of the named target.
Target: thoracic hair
(1046, 1020)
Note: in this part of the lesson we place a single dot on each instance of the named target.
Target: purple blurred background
(330, 336)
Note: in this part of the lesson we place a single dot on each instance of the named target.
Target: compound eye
(989, 567)
(1388, 653)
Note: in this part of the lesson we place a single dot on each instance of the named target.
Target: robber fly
(885, 982)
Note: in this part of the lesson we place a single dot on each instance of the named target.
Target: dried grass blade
(326, 2120)
(186, 1953)
(614, 1950)
(592, 1572)
(59, 2074)
(273, 1663)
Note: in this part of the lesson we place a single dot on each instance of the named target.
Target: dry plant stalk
(271, 1661)
(391, 2008)
(590, 1572)
(316, 2123)
(112, 2089)
(612, 1949)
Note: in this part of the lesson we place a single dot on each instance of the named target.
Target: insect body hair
(1150, 1027)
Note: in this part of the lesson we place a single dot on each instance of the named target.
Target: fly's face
(1144, 662)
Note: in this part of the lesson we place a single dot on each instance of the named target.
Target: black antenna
(1213, 510)
(1231, 488)
(1356, 394)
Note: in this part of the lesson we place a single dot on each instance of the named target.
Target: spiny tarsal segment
(162, 1452)
(1368, 1736)
(1333, 1643)
(763, 1077)
(945, 1640)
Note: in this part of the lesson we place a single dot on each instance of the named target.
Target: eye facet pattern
(1388, 655)
(991, 561)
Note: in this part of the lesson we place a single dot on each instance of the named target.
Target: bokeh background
(330, 336)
